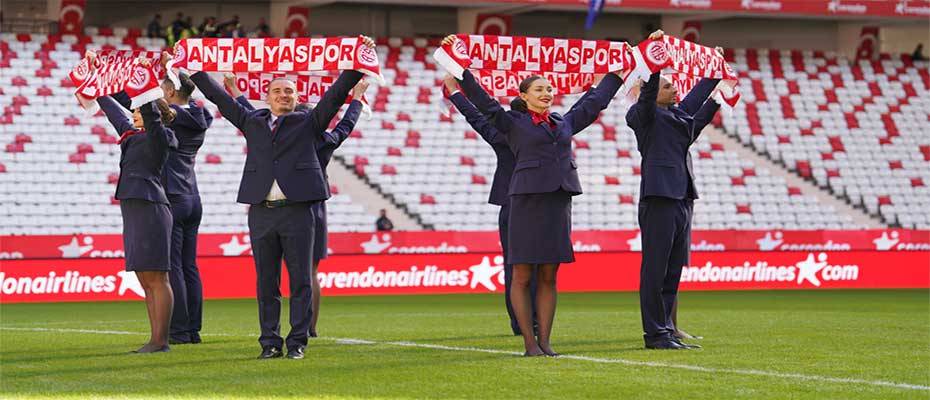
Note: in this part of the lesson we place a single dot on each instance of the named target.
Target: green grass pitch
(770, 345)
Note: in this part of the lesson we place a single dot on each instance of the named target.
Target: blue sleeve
(698, 95)
(333, 99)
(231, 109)
(588, 108)
(207, 115)
(704, 116)
(245, 103)
(123, 99)
(114, 113)
(344, 128)
(643, 112)
(477, 120)
(485, 103)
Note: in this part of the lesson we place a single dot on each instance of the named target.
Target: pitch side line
(634, 363)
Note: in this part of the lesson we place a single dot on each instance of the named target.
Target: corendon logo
(813, 270)
(837, 6)
(691, 3)
(74, 249)
(10, 255)
(904, 8)
(892, 241)
(72, 282)
(767, 5)
(582, 247)
(776, 241)
(485, 275)
(377, 245)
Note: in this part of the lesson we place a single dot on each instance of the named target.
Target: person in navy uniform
(144, 145)
(189, 126)
(281, 180)
(325, 153)
(543, 183)
(664, 133)
(499, 186)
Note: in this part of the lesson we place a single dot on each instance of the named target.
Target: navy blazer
(288, 154)
(663, 136)
(190, 127)
(543, 155)
(142, 155)
(332, 140)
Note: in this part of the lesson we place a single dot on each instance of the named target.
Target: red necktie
(539, 118)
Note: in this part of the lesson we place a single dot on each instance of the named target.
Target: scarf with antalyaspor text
(698, 61)
(114, 71)
(284, 55)
(310, 88)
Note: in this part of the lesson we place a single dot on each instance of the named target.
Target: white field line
(634, 363)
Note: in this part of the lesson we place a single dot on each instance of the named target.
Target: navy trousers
(665, 224)
(503, 227)
(187, 317)
(282, 232)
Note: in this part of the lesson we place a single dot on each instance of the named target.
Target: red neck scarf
(127, 134)
(539, 118)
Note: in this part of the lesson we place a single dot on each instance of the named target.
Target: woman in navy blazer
(147, 221)
(324, 152)
(543, 183)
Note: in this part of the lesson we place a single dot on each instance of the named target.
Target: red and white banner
(298, 20)
(234, 277)
(895, 9)
(310, 88)
(71, 17)
(493, 24)
(285, 55)
(868, 43)
(456, 242)
(114, 71)
(703, 62)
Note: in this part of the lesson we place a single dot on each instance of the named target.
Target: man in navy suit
(664, 132)
(190, 127)
(281, 180)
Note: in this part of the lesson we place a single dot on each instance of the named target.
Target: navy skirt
(540, 228)
(146, 235)
(320, 232)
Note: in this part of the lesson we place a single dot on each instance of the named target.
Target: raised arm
(704, 116)
(589, 107)
(230, 108)
(333, 98)
(345, 126)
(245, 103)
(696, 98)
(115, 115)
(477, 120)
(643, 112)
(485, 103)
(159, 136)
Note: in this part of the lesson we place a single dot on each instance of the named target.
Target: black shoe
(178, 341)
(686, 345)
(312, 333)
(665, 345)
(296, 353)
(195, 338)
(270, 352)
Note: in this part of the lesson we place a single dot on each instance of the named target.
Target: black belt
(276, 203)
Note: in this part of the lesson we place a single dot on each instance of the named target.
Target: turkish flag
(71, 17)
(691, 31)
(868, 43)
(493, 24)
(297, 21)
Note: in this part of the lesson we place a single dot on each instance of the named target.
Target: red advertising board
(60, 280)
(429, 242)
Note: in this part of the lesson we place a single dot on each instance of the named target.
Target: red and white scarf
(533, 55)
(114, 71)
(310, 88)
(286, 55)
(698, 62)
